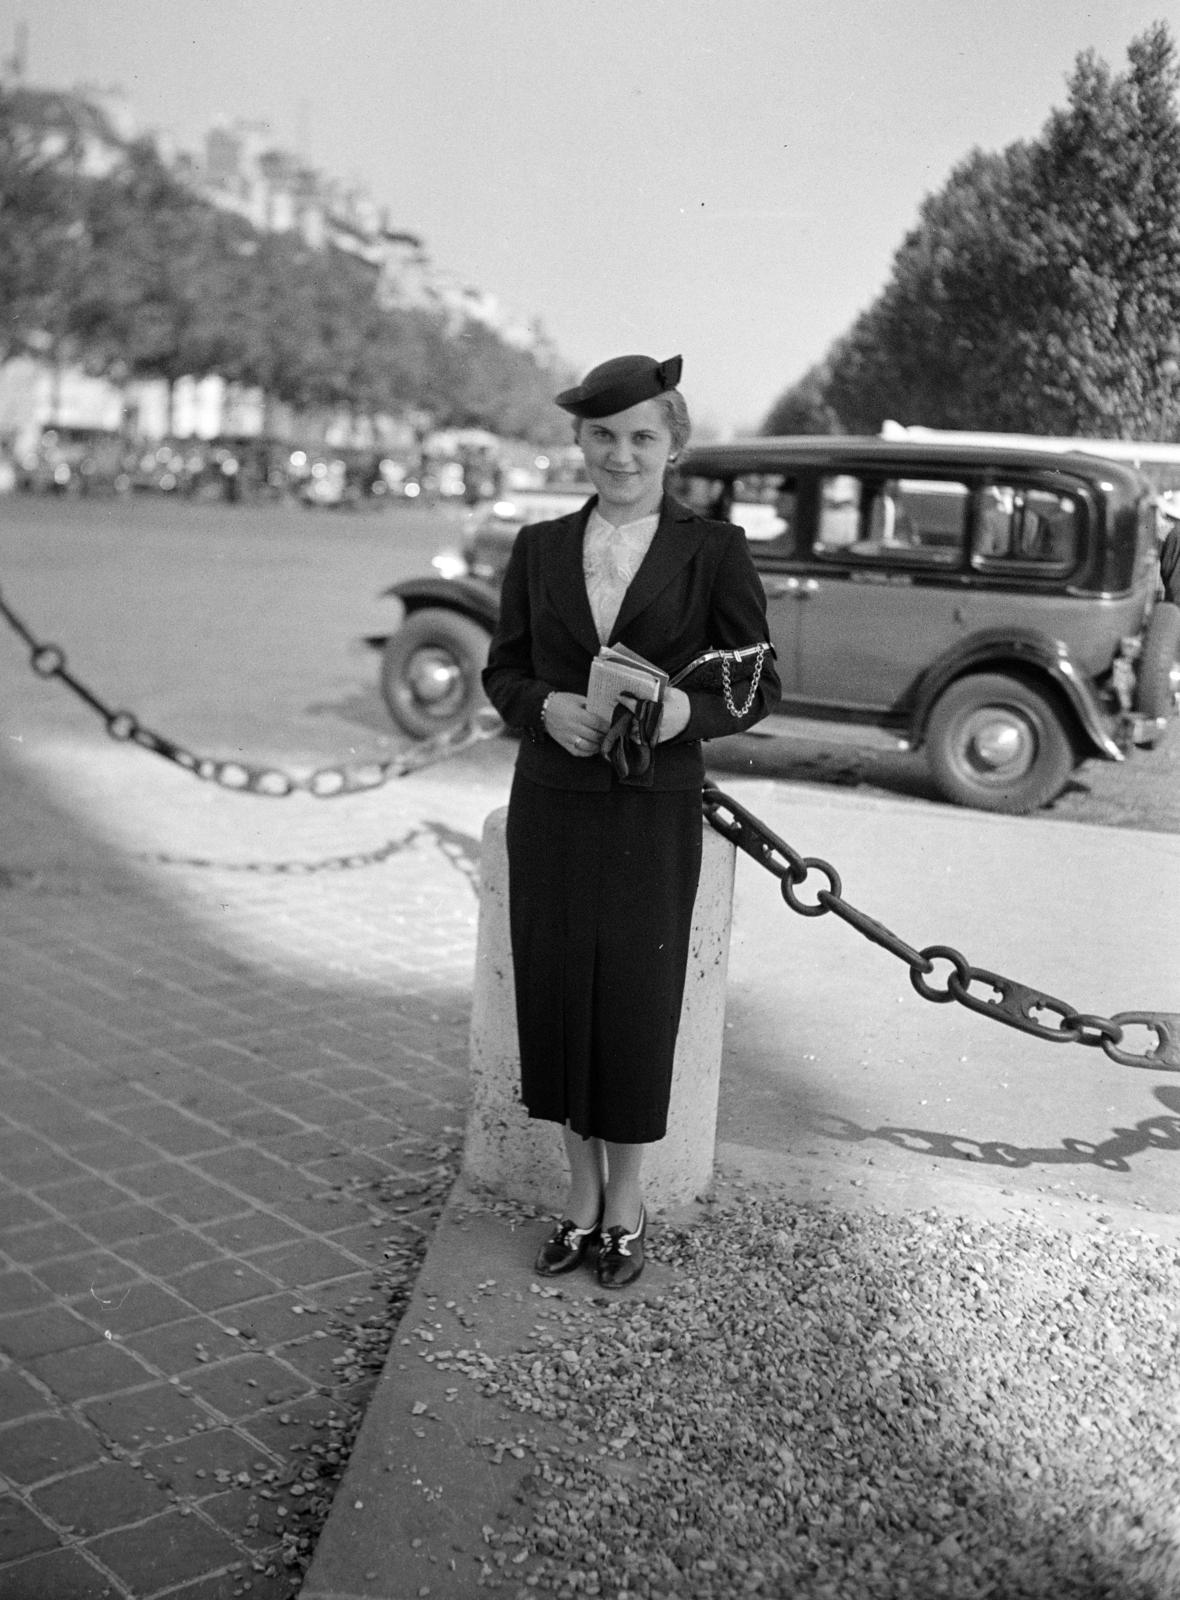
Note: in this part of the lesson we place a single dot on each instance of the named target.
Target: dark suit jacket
(695, 590)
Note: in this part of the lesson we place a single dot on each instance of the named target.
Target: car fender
(1001, 649)
(471, 597)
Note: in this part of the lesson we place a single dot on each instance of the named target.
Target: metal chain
(727, 683)
(49, 661)
(1015, 1004)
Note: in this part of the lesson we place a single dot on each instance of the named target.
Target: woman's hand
(674, 720)
(577, 730)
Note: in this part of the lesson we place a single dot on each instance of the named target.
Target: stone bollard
(508, 1151)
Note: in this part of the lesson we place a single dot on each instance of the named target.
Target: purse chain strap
(727, 684)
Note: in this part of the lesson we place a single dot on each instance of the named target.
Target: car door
(766, 506)
(880, 599)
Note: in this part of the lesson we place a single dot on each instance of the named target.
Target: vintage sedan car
(995, 608)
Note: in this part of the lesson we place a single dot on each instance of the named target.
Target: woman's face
(626, 458)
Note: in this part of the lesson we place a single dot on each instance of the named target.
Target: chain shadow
(1113, 1154)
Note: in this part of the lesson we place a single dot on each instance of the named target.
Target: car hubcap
(998, 745)
(435, 679)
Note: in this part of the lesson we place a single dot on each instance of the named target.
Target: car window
(764, 504)
(894, 519)
(1020, 530)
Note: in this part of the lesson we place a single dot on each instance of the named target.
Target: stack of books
(617, 671)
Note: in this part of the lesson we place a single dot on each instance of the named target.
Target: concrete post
(508, 1151)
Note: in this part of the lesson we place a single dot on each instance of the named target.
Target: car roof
(845, 452)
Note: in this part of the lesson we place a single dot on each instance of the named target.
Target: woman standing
(603, 867)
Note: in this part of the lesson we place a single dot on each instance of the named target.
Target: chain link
(49, 661)
(989, 994)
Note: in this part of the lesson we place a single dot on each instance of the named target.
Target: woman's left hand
(674, 720)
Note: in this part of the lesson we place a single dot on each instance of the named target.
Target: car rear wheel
(1159, 663)
(430, 671)
(999, 744)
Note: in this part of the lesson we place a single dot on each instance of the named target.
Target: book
(616, 671)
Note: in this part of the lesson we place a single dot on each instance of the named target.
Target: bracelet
(545, 708)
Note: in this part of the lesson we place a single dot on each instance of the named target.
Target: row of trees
(133, 274)
(1040, 290)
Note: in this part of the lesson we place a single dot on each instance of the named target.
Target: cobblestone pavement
(232, 1077)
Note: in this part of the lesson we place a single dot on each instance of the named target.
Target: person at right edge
(604, 822)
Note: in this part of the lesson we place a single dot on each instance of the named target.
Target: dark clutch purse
(718, 671)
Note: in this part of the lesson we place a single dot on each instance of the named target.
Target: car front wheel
(999, 744)
(430, 671)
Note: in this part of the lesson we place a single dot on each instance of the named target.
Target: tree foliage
(1040, 290)
(40, 235)
(134, 273)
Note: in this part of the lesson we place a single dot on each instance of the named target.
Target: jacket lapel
(565, 580)
(675, 543)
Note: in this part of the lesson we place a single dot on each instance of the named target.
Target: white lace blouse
(610, 559)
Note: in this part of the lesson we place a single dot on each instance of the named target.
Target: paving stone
(109, 1150)
(18, 1210)
(276, 1319)
(21, 1532)
(18, 1397)
(44, 1240)
(279, 1429)
(222, 1283)
(248, 1517)
(93, 1272)
(19, 1292)
(252, 1173)
(79, 1196)
(169, 1252)
(95, 1369)
(305, 1264)
(254, 1231)
(263, 1123)
(60, 1574)
(100, 1498)
(147, 1416)
(34, 1333)
(191, 1466)
(147, 1556)
(240, 1388)
(127, 1222)
(181, 1345)
(41, 1447)
(170, 1130)
(132, 1307)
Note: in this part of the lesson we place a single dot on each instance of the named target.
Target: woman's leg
(587, 1178)
(624, 1196)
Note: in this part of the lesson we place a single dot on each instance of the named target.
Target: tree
(1040, 291)
(804, 407)
(41, 239)
(155, 247)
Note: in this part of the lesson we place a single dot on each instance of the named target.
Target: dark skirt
(601, 892)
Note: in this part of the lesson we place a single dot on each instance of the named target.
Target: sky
(722, 179)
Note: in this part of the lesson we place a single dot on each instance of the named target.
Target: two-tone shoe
(566, 1247)
(621, 1254)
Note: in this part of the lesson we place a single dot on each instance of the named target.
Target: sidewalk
(233, 1084)
(839, 1085)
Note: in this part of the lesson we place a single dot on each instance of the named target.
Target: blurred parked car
(72, 460)
(995, 608)
(348, 478)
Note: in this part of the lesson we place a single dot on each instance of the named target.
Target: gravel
(855, 1404)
